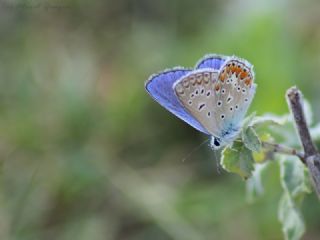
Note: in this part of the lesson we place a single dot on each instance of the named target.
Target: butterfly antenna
(194, 150)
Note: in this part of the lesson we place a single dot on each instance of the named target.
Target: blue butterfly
(213, 97)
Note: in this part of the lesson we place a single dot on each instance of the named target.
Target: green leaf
(262, 156)
(270, 124)
(269, 120)
(247, 121)
(264, 153)
(254, 185)
(294, 178)
(251, 139)
(238, 159)
(289, 215)
(296, 183)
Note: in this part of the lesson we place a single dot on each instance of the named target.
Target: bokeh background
(87, 154)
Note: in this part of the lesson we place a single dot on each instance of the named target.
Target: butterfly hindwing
(235, 90)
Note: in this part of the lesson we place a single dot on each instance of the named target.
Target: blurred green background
(87, 154)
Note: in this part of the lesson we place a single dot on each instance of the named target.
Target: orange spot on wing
(243, 75)
(217, 87)
(222, 77)
(185, 83)
(199, 78)
(238, 70)
(206, 77)
(247, 81)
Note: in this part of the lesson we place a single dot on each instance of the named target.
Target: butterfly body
(213, 97)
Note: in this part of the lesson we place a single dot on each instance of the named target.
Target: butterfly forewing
(213, 61)
(196, 93)
(159, 86)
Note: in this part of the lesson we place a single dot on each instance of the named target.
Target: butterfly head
(216, 143)
(227, 138)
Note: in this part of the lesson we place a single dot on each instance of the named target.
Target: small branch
(283, 150)
(311, 155)
(295, 101)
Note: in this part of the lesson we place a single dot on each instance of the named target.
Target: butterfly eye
(216, 142)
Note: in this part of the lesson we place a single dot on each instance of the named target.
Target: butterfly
(213, 97)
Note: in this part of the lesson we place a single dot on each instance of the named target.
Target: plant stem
(283, 150)
(311, 154)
